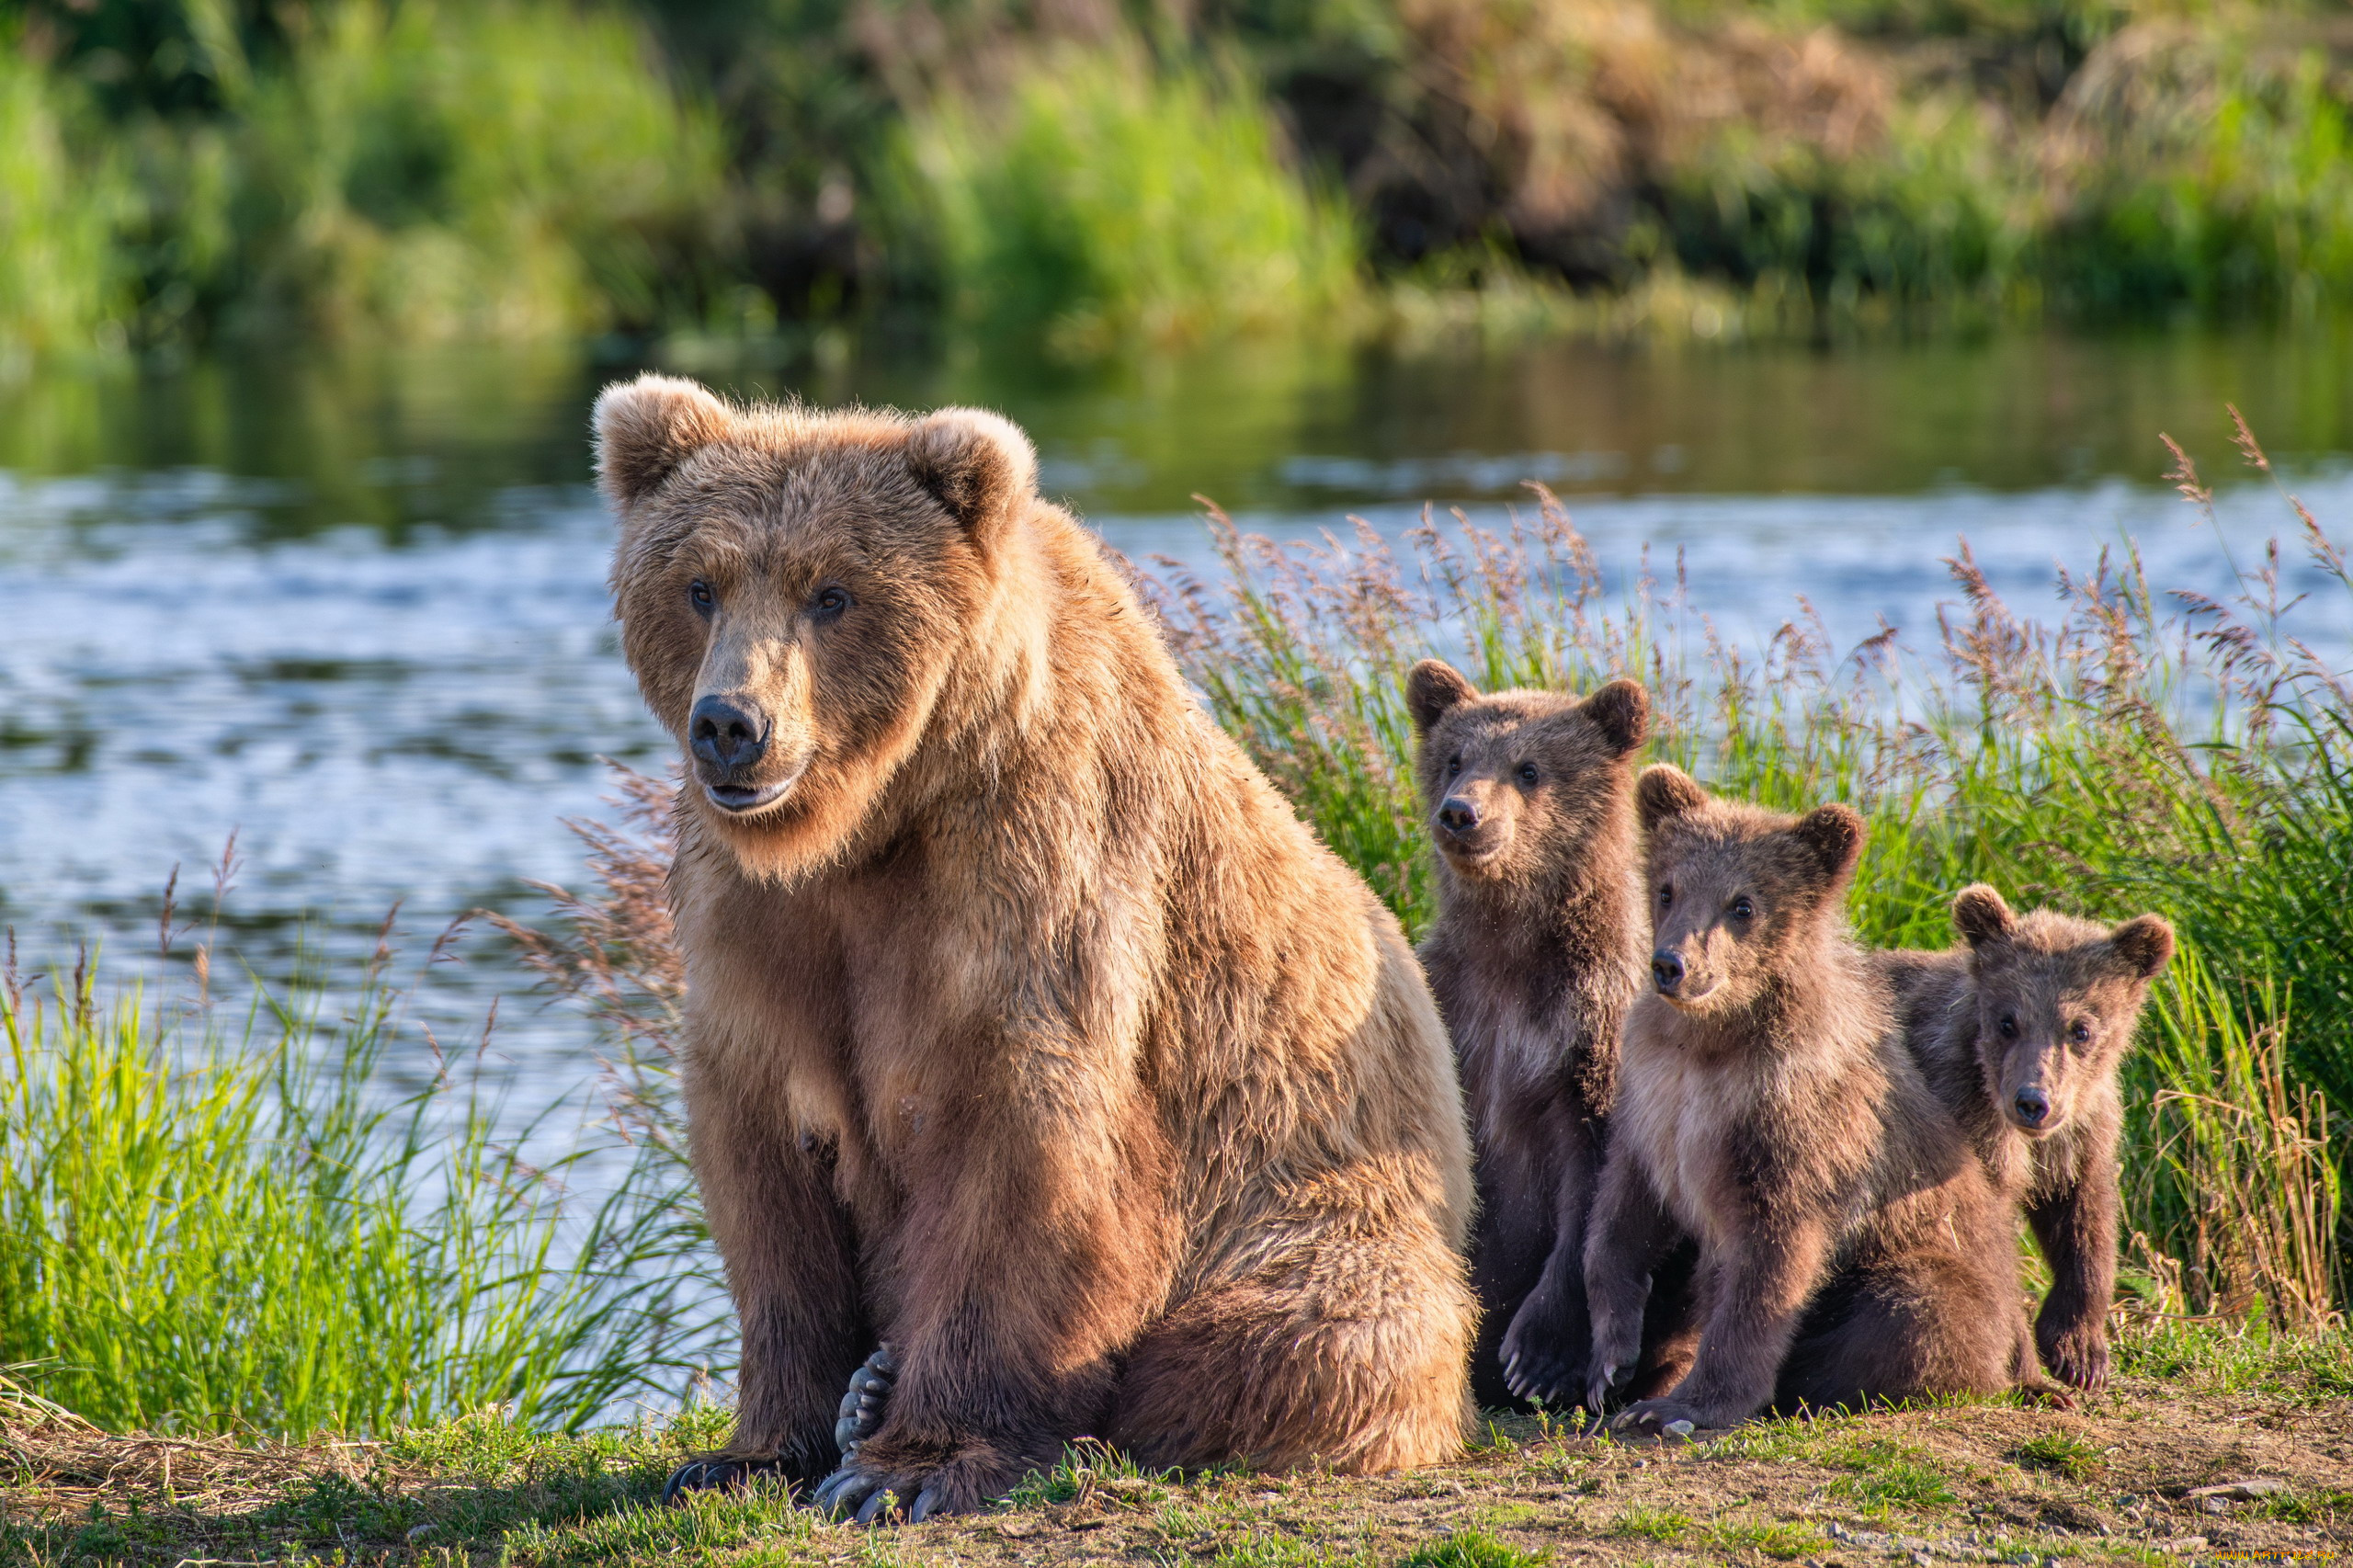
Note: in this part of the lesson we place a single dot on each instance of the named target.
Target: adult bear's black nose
(2033, 1107)
(725, 734)
(1457, 813)
(1667, 970)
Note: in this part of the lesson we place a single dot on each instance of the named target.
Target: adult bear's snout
(725, 735)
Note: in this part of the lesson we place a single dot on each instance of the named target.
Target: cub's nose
(2033, 1107)
(726, 735)
(1667, 970)
(1457, 813)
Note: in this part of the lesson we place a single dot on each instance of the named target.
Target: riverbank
(2130, 1476)
(182, 173)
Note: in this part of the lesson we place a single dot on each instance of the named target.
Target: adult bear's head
(798, 591)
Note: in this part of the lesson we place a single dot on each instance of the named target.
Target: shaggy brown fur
(1028, 1030)
(1538, 949)
(2021, 1033)
(1851, 1247)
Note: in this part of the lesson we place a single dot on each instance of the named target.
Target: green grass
(58, 290)
(1780, 1541)
(1651, 1524)
(1887, 1474)
(211, 1223)
(1103, 201)
(1470, 1548)
(2063, 1453)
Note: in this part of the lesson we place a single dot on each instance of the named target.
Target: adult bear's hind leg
(1351, 1351)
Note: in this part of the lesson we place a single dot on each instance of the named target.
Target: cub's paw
(861, 1409)
(880, 1492)
(1608, 1374)
(1658, 1418)
(717, 1472)
(2078, 1355)
(1537, 1361)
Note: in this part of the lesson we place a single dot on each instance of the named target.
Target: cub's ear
(2145, 942)
(1433, 690)
(1664, 791)
(645, 429)
(1623, 710)
(977, 464)
(1834, 834)
(1981, 916)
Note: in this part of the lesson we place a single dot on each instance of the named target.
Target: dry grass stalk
(2266, 1230)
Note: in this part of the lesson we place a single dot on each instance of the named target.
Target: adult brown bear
(1027, 1030)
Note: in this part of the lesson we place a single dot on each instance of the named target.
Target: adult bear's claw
(713, 1474)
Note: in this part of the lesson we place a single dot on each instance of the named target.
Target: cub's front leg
(2076, 1226)
(1629, 1233)
(1550, 1340)
(1759, 1284)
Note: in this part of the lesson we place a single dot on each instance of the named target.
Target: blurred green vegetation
(1096, 172)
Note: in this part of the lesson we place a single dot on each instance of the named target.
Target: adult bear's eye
(1453, 765)
(2009, 1027)
(830, 602)
(1743, 908)
(1667, 897)
(699, 594)
(1527, 773)
(2081, 1034)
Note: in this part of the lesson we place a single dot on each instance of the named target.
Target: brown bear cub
(1537, 951)
(1029, 1033)
(2021, 1033)
(1851, 1247)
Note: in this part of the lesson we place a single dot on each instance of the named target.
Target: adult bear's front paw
(875, 1488)
(718, 1472)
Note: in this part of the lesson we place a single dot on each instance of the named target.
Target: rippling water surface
(353, 611)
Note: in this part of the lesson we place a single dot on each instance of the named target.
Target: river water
(352, 609)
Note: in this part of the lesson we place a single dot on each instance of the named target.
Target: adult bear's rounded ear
(1433, 689)
(1664, 791)
(978, 465)
(1981, 916)
(645, 429)
(2145, 942)
(1834, 834)
(1623, 710)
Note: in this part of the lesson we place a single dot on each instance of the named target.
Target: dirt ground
(2124, 1477)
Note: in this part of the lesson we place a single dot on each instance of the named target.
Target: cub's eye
(1453, 765)
(1527, 773)
(2080, 1032)
(830, 602)
(2009, 1027)
(1743, 908)
(699, 594)
(1667, 897)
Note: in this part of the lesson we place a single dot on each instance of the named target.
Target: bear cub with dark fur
(2021, 1032)
(1537, 951)
(1851, 1246)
